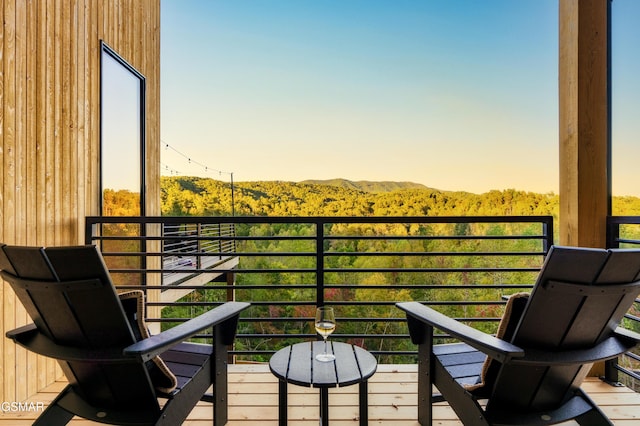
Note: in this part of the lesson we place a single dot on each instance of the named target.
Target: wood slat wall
(49, 135)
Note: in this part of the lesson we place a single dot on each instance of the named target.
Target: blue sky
(457, 94)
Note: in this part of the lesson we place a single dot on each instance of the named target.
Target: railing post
(234, 245)
(613, 233)
(88, 231)
(231, 289)
(198, 245)
(319, 263)
(547, 229)
(163, 249)
(611, 372)
(220, 249)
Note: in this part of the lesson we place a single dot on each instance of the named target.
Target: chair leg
(422, 335)
(425, 389)
(220, 379)
(54, 415)
(594, 418)
(462, 402)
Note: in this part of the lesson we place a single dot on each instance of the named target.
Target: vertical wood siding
(49, 135)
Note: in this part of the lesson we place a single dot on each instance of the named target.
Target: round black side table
(297, 364)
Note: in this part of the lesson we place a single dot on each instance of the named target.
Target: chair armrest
(607, 349)
(155, 345)
(20, 330)
(29, 337)
(493, 347)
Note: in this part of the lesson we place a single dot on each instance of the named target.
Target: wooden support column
(584, 121)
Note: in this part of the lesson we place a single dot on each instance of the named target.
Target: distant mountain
(367, 186)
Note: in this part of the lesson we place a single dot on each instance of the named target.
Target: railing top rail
(317, 219)
(624, 220)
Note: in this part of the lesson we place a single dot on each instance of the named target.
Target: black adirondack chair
(530, 373)
(115, 375)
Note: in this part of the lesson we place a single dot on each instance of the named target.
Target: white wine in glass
(325, 325)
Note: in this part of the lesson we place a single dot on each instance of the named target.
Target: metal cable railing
(286, 266)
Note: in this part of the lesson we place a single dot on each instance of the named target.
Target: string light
(190, 161)
(206, 169)
(170, 170)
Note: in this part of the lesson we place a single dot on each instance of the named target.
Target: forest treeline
(195, 196)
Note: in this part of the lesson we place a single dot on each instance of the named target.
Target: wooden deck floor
(253, 400)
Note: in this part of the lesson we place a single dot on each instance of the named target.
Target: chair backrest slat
(622, 266)
(110, 327)
(29, 262)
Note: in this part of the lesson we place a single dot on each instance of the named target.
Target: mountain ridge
(367, 185)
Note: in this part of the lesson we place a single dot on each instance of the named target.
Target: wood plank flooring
(253, 401)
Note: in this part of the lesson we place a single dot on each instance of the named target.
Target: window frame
(112, 54)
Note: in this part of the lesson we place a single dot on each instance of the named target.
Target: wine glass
(325, 325)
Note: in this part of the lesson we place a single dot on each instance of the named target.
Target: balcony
(286, 266)
(59, 195)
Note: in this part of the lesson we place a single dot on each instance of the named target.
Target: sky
(458, 95)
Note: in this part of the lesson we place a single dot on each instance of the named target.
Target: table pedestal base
(324, 404)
